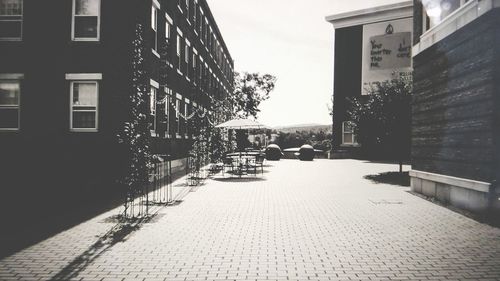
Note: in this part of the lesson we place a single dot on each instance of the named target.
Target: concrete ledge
(462, 193)
(459, 182)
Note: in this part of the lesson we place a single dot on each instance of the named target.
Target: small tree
(383, 119)
(134, 135)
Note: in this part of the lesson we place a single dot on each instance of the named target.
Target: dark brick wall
(347, 75)
(417, 20)
(455, 103)
(46, 166)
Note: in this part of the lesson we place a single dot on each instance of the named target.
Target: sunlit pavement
(315, 220)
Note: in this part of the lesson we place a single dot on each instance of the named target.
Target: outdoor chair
(227, 163)
(258, 163)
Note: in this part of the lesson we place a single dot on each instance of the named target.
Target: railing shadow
(119, 233)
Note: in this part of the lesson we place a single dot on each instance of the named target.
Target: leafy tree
(250, 89)
(383, 119)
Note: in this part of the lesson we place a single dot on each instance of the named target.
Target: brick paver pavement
(304, 221)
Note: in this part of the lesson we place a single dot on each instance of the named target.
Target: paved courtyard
(303, 221)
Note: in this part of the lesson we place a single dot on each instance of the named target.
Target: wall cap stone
(453, 181)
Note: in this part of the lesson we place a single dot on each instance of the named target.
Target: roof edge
(371, 15)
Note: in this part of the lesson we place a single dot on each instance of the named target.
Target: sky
(291, 40)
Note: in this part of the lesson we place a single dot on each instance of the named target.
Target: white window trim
(73, 38)
(83, 76)
(156, 4)
(154, 26)
(465, 14)
(154, 85)
(20, 38)
(168, 97)
(169, 19)
(13, 77)
(83, 130)
(354, 142)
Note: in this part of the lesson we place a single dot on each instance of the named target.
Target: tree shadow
(394, 178)
(118, 233)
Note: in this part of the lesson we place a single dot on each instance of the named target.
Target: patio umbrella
(241, 124)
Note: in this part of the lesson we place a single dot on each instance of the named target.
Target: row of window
(175, 108)
(187, 55)
(84, 102)
(85, 20)
(84, 97)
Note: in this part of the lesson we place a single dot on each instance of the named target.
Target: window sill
(465, 14)
(84, 130)
(155, 53)
(178, 71)
(9, 130)
(350, 145)
(11, 39)
(85, 40)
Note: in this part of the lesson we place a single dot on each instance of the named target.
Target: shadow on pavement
(119, 233)
(394, 178)
(29, 225)
(237, 179)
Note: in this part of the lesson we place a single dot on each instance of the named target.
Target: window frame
(166, 115)
(13, 78)
(71, 106)
(178, 116)
(153, 110)
(98, 27)
(344, 132)
(18, 18)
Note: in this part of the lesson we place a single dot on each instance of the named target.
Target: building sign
(390, 51)
(386, 52)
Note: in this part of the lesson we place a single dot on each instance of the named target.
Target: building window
(436, 11)
(84, 103)
(348, 136)
(11, 19)
(179, 5)
(186, 114)
(10, 96)
(167, 30)
(186, 58)
(195, 9)
(177, 117)
(167, 115)
(194, 63)
(152, 110)
(200, 22)
(154, 27)
(86, 20)
(179, 58)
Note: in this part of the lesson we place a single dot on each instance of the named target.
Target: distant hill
(304, 127)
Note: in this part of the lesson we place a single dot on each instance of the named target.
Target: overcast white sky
(291, 40)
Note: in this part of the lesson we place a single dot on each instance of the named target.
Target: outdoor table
(241, 161)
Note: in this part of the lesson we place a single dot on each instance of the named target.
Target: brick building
(64, 73)
(456, 101)
(358, 64)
